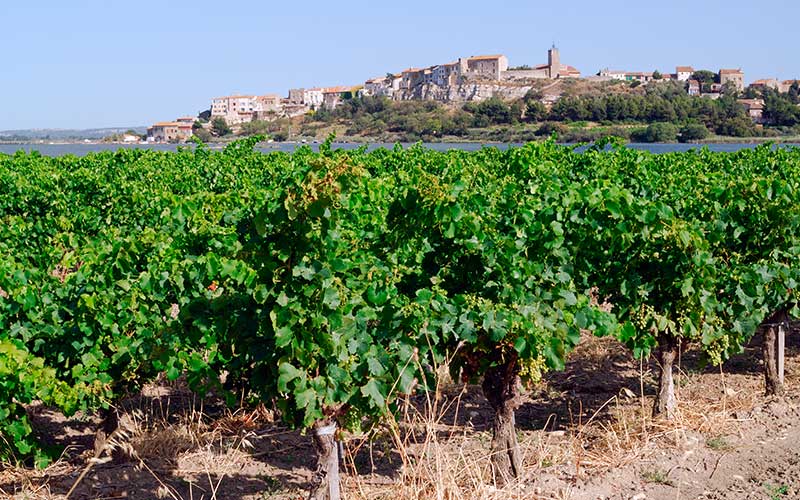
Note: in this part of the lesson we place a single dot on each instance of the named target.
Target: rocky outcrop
(468, 91)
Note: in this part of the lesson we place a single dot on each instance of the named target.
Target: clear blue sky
(108, 63)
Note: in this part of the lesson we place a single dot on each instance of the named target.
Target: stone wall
(524, 74)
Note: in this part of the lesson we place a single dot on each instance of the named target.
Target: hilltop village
(472, 79)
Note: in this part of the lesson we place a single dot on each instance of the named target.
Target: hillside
(65, 134)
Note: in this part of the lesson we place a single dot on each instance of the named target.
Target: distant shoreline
(377, 140)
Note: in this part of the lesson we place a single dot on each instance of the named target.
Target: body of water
(81, 149)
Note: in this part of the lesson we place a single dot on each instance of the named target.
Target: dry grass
(443, 455)
(446, 461)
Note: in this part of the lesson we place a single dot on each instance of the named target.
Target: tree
(494, 110)
(550, 128)
(730, 89)
(202, 134)
(705, 76)
(533, 95)
(657, 75)
(730, 107)
(657, 132)
(281, 136)
(794, 92)
(255, 127)
(751, 93)
(219, 127)
(516, 111)
(739, 126)
(693, 132)
(535, 111)
(780, 110)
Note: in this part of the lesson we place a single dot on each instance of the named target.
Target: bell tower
(553, 62)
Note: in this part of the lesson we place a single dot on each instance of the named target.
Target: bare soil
(585, 433)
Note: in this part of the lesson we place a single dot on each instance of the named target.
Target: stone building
(766, 83)
(489, 67)
(754, 109)
(451, 81)
(410, 78)
(382, 86)
(267, 107)
(683, 73)
(170, 132)
(734, 76)
(313, 97)
(333, 96)
(445, 75)
(553, 69)
(786, 85)
(296, 96)
(233, 109)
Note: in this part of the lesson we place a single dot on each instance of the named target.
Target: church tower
(553, 62)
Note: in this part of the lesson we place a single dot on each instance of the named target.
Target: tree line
(659, 112)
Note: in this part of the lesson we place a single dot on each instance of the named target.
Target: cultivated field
(536, 322)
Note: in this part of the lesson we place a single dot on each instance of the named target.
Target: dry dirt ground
(585, 434)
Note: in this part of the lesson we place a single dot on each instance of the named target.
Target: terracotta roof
(694, 82)
(482, 58)
(165, 124)
(730, 71)
(684, 69)
(410, 70)
(337, 90)
(235, 97)
(752, 103)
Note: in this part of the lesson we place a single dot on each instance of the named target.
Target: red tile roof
(337, 90)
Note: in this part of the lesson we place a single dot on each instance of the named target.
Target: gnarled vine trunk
(666, 403)
(774, 383)
(501, 386)
(107, 427)
(325, 483)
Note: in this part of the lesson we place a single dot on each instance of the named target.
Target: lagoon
(81, 149)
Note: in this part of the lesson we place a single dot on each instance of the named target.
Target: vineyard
(331, 287)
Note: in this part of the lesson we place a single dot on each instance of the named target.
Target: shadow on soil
(281, 462)
(749, 362)
(159, 474)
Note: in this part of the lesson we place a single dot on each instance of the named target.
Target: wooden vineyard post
(781, 348)
(773, 351)
(325, 483)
